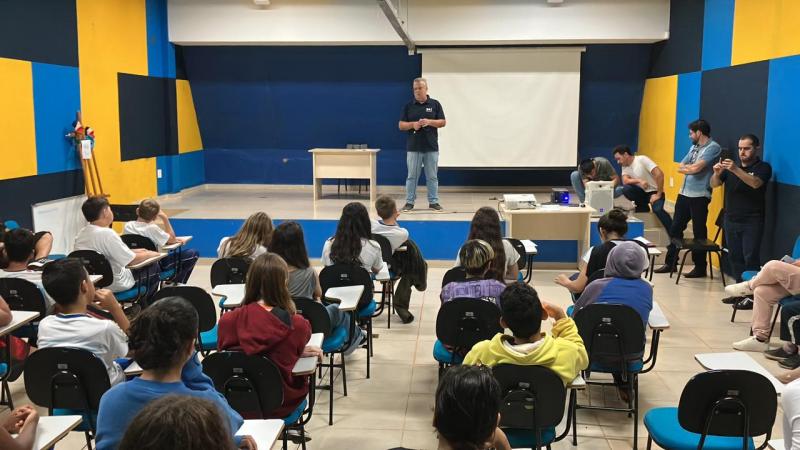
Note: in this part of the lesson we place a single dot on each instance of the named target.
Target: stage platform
(210, 212)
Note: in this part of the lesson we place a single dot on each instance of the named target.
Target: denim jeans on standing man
(415, 162)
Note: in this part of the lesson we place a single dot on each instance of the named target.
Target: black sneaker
(665, 269)
(695, 274)
(436, 207)
(408, 207)
(778, 354)
(732, 300)
(745, 304)
(792, 362)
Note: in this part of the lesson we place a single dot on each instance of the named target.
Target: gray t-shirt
(302, 282)
(605, 171)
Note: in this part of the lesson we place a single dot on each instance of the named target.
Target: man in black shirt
(421, 119)
(745, 187)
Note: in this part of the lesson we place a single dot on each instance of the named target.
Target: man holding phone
(745, 188)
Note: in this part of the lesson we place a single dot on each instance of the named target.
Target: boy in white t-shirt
(20, 249)
(147, 212)
(97, 236)
(643, 183)
(68, 283)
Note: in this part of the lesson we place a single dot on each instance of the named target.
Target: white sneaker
(751, 344)
(742, 289)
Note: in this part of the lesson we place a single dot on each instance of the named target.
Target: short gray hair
(420, 80)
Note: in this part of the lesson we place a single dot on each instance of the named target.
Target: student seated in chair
(467, 410)
(352, 244)
(67, 281)
(20, 247)
(251, 241)
(22, 422)
(162, 341)
(148, 211)
(561, 351)
(5, 313)
(97, 236)
(612, 227)
(267, 324)
(43, 243)
(485, 225)
(477, 257)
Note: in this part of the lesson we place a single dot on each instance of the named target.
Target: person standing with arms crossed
(693, 199)
(421, 119)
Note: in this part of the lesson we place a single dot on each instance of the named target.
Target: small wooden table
(345, 163)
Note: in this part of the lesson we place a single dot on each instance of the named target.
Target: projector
(559, 196)
(519, 201)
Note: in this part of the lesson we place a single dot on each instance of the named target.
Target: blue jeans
(580, 189)
(342, 319)
(743, 240)
(642, 199)
(415, 162)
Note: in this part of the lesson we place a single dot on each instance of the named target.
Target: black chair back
(22, 295)
(522, 262)
(60, 377)
(454, 274)
(95, 264)
(533, 397)
(315, 313)
(124, 213)
(339, 275)
(252, 385)
(613, 334)
(199, 298)
(728, 403)
(229, 271)
(386, 249)
(463, 322)
(134, 241)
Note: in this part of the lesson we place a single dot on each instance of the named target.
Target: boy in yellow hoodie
(562, 351)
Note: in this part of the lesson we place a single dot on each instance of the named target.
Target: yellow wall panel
(765, 29)
(17, 120)
(112, 38)
(188, 131)
(657, 126)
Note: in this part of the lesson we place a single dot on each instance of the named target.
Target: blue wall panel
(782, 133)
(56, 98)
(180, 171)
(160, 52)
(687, 110)
(717, 33)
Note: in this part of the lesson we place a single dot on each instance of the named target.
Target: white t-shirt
(640, 168)
(106, 242)
(394, 233)
(371, 256)
(790, 401)
(258, 251)
(101, 337)
(148, 230)
(511, 255)
(35, 277)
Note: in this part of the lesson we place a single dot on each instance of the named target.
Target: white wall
(429, 22)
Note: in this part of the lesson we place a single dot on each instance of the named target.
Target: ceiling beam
(391, 13)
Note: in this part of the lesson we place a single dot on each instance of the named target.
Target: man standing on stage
(422, 119)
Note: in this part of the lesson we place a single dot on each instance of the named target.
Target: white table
(776, 444)
(345, 163)
(182, 240)
(18, 319)
(736, 361)
(148, 261)
(383, 274)
(315, 340)
(52, 429)
(578, 383)
(550, 222)
(264, 432)
(652, 252)
(233, 293)
(133, 369)
(307, 365)
(657, 320)
(347, 295)
(95, 278)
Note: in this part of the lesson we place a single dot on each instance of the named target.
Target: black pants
(686, 209)
(790, 322)
(743, 240)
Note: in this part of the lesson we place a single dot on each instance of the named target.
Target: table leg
(317, 189)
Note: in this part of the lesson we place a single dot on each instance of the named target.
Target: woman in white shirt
(352, 244)
(251, 241)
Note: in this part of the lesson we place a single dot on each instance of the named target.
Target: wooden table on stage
(550, 223)
(345, 163)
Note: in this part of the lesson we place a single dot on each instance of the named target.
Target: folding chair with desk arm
(229, 271)
(67, 381)
(253, 387)
(136, 241)
(206, 313)
(533, 404)
(23, 295)
(460, 324)
(720, 409)
(387, 286)
(97, 264)
(614, 338)
(8, 370)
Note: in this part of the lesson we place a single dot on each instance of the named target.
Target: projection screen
(506, 108)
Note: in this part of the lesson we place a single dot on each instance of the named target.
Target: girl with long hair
(251, 241)
(485, 226)
(352, 244)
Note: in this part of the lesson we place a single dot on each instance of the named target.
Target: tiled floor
(394, 407)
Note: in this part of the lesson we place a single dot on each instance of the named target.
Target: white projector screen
(509, 108)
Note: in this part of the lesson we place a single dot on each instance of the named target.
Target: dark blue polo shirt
(426, 139)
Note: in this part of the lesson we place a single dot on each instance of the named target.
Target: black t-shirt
(426, 139)
(742, 201)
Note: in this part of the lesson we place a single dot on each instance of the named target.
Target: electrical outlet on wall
(159, 175)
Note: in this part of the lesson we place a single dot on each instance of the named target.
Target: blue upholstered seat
(443, 355)
(663, 426)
